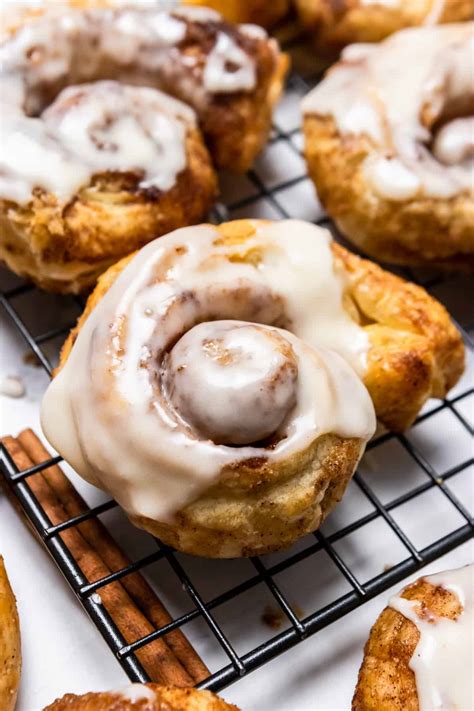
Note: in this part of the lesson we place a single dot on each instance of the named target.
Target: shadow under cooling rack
(278, 187)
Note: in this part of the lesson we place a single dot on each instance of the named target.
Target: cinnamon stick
(99, 537)
(131, 602)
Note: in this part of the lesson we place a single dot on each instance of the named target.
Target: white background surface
(63, 652)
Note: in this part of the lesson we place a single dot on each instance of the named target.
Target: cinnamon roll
(206, 386)
(143, 697)
(336, 23)
(419, 655)
(10, 655)
(95, 159)
(261, 12)
(389, 144)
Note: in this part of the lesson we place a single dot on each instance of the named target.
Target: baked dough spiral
(10, 655)
(214, 426)
(97, 158)
(143, 697)
(389, 144)
(419, 653)
(336, 23)
(197, 388)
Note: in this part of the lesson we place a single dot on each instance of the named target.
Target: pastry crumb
(30, 358)
(12, 386)
(274, 617)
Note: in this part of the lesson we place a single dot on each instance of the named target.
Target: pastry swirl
(206, 384)
(391, 152)
(99, 153)
(192, 402)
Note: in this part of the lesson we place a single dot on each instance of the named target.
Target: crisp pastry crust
(386, 682)
(335, 23)
(259, 12)
(10, 654)
(414, 353)
(419, 232)
(143, 697)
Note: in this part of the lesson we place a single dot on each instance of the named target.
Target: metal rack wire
(261, 193)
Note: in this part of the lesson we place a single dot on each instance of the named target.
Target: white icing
(123, 427)
(136, 692)
(454, 143)
(435, 13)
(391, 178)
(104, 126)
(394, 93)
(443, 659)
(140, 129)
(255, 368)
(228, 67)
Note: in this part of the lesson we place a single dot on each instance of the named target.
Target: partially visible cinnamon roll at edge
(93, 166)
(389, 138)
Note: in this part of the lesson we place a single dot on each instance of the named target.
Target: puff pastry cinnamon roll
(389, 144)
(216, 427)
(335, 23)
(213, 383)
(92, 166)
(10, 655)
(420, 651)
(143, 697)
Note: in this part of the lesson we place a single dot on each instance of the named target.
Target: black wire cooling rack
(278, 187)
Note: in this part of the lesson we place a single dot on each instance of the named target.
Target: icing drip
(158, 371)
(371, 93)
(136, 693)
(443, 658)
(112, 125)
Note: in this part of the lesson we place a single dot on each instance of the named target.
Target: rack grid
(278, 187)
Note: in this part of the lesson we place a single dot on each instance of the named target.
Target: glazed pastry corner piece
(419, 654)
(389, 146)
(10, 654)
(143, 697)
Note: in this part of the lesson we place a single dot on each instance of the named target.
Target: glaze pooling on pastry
(443, 658)
(371, 93)
(111, 125)
(155, 371)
